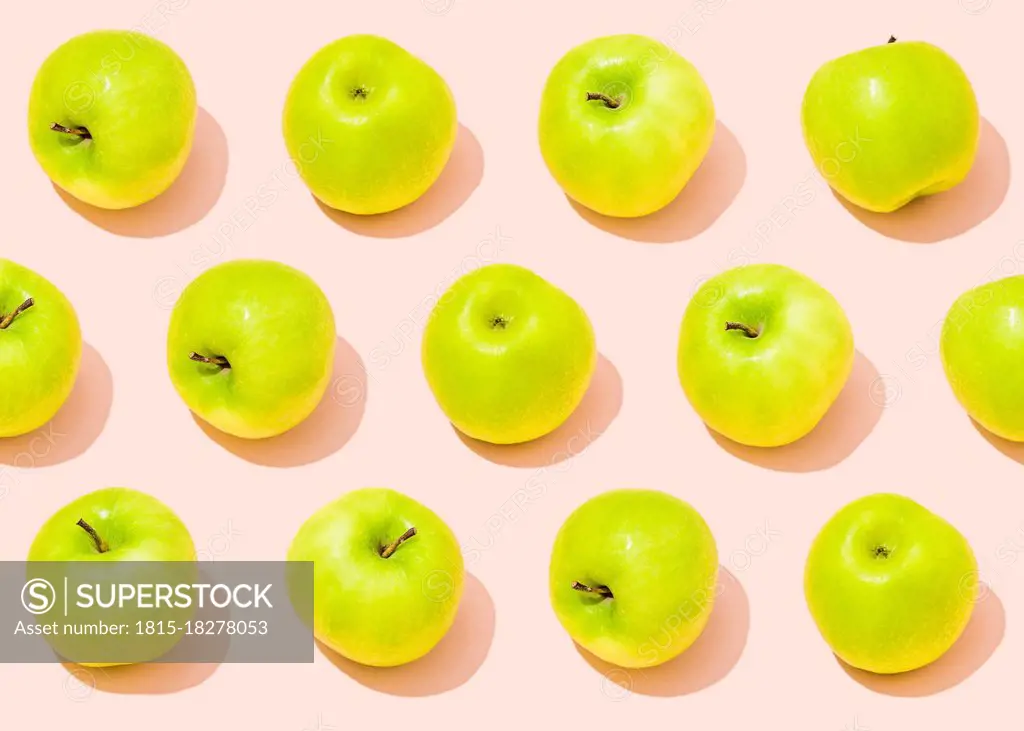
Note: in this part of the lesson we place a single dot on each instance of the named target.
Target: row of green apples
(633, 575)
(509, 357)
(763, 352)
(624, 123)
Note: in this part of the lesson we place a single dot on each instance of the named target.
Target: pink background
(896, 427)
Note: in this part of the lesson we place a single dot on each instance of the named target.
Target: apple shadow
(1013, 450)
(951, 213)
(981, 638)
(144, 679)
(705, 198)
(851, 419)
(75, 427)
(707, 661)
(185, 203)
(458, 180)
(598, 409)
(452, 663)
(174, 672)
(329, 428)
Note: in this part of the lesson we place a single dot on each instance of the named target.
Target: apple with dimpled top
(387, 576)
(764, 351)
(890, 584)
(111, 117)
(369, 126)
(121, 526)
(633, 576)
(40, 349)
(250, 348)
(508, 355)
(625, 122)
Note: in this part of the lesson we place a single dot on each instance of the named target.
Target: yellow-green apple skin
(132, 526)
(40, 349)
(374, 608)
(133, 96)
(764, 351)
(890, 585)
(891, 123)
(369, 126)
(982, 348)
(507, 354)
(250, 348)
(633, 576)
(625, 122)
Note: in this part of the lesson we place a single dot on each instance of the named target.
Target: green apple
(40, 348)
(982, 344)
(251, 346)
(890, 584)
(763, 353)
(369, 126)
(625, 122)
(633, 576)
(891, 123)
(507, 354)
(116, 525)
(387, 576)
(111, 117)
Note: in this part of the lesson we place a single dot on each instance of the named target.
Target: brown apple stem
(9, 318)
(602, 591)
(610, 102)
(892, 39)
(393, 546)
(750, 332)
(217, 360)
(101, 545)
(77, 131)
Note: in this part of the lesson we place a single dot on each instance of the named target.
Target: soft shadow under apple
(1013, 450)
(707, 661)
(329, 428)
(145, 679)
(705, 198)
(976, 645)
(185, 203)
(458, 180)
(452, 663)
(175, 671)
(75, 427)
(958, 210)
(598, 409)
(848, 423)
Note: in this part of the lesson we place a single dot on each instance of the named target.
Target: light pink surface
(761, 664)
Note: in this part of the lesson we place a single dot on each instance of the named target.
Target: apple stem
(750, 332)
(8, 319)
(602, 591)
(77, 131)
(393, 546)
(217, 360)
(892, 39)
(101, 545)
(610, 102)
